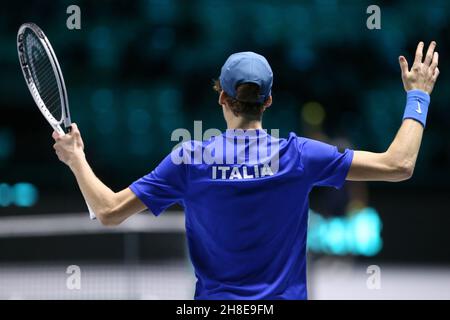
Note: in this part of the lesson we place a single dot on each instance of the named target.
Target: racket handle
(61, 133)
(91, 213)
(58, 129)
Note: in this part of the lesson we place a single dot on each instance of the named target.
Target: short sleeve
(162, 187)
(324, 165)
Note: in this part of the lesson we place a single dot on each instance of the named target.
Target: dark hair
(246, 103)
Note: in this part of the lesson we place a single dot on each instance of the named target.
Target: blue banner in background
(22, 194)
(356, 234)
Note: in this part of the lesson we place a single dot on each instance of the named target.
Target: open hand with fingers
(69, 147)
(424, 72)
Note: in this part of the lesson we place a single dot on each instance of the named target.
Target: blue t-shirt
(245, 196)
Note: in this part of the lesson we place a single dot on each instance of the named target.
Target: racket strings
(43, 74)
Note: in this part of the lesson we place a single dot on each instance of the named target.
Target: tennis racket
(44, 78)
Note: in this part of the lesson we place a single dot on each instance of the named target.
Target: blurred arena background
(137, 70)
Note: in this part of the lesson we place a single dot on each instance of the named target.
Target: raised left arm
(398, 162)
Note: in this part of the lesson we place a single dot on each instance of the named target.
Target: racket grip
(91, 213)
(58, 129)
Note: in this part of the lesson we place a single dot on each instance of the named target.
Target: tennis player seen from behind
(247, 211)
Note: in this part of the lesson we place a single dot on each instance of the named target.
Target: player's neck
(240, 123)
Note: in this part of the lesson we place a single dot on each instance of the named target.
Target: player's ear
(268, 102)
(222, 98)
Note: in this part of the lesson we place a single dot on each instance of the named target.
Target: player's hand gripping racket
(44, 78)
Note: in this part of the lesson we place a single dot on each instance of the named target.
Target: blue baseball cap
(246, 67)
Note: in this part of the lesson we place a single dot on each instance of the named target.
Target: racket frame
(65, 113)
(56, 124)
